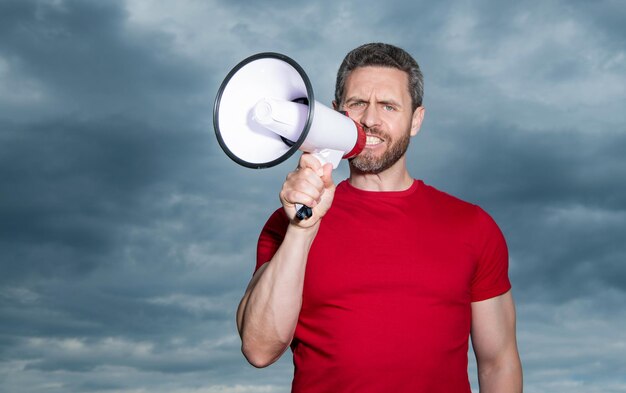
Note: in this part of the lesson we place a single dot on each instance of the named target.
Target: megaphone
(265, 111)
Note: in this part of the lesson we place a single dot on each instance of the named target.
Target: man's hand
(311, 184)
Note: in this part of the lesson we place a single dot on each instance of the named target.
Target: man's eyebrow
(390, 102)
(353, 98)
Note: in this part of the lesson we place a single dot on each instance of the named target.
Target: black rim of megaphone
(305, 131)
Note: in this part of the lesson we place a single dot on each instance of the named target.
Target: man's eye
(358, 104)
(388, 108)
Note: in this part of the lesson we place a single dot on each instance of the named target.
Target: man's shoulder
(445, 205)
(445, 198)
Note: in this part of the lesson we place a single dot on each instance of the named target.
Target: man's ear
(417, 119)
(335, 105)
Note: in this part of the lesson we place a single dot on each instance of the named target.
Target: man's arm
(268, 312)
(495, 345)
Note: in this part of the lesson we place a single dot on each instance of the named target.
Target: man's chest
(373, 258)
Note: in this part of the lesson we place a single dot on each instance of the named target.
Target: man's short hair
(381, 55)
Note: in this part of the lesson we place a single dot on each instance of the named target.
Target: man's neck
(396, 178)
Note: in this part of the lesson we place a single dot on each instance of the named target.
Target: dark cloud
(81, 185)
(86, 61)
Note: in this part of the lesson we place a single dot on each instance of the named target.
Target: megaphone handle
(303, 212)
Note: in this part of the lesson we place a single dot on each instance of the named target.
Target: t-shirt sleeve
(491, 277)
(271, 237)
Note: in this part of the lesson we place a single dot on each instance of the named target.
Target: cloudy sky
(127, 236)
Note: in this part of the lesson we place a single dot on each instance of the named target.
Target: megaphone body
(265, 111)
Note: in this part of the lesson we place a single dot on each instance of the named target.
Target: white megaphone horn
(265, 111)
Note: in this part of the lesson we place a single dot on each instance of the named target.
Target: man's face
(378, 98)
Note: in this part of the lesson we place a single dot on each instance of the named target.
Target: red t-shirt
(388, 287)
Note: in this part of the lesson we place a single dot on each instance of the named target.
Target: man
(379, 290)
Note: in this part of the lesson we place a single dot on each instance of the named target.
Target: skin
(378, 98)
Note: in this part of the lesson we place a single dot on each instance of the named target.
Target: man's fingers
(303, 186)
(327, 176)
(297, 197)
(305, 177)
(308, 160)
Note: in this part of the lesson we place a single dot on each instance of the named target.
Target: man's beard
(367, 162)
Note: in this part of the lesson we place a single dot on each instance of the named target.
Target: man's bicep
(493, 326)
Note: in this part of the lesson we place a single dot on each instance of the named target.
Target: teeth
(373, 140)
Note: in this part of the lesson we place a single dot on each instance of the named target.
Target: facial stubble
(367, 162)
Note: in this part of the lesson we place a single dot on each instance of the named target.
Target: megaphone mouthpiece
(263, 112)
(285, 118)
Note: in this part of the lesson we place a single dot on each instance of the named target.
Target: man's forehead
(387, 81)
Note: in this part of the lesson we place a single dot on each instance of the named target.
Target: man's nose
(370, 116)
